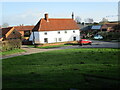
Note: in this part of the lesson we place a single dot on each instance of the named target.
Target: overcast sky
(29, 13)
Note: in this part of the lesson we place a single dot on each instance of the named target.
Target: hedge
(110, 35)
(10, 44)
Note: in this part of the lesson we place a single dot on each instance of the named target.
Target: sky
(29, 13)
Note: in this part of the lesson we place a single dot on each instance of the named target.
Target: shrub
(110, 35)
(11, 44)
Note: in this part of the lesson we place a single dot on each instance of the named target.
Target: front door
(74, 38)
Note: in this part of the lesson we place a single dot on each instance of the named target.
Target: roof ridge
(59, 18)
(6, 27)
(22, 26)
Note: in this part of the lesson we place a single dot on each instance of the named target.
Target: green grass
(63, 69)
(12, 51)
(48, 47)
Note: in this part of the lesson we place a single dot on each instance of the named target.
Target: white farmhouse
(51, 30)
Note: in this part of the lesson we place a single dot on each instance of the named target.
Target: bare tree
(78, 19)
(104, 20)
(89, 20)
(5, 25)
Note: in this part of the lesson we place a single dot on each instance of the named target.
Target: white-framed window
(45, 33)
(46, 40)
(58, 32)
(65, 31)
(60, 39)
(74, 31)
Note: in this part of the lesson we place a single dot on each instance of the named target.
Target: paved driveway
(95, 44)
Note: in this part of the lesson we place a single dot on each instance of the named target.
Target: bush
(11, 44)
(110, 35)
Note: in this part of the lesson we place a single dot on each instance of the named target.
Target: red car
(84, 41)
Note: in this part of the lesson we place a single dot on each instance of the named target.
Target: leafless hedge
(10, 44)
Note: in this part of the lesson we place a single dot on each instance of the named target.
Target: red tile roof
(111, 24)
(23, 28)
(56, 24)
(5, 30)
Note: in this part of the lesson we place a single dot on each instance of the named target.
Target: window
(60, 39)
(58, 32)
(26, 33)
(46, 40)
(13, 32)
(65, 31)
(74, 38)
(45, 33)
(73, 31)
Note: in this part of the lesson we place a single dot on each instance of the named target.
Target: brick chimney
(46, 17)
(72, 15)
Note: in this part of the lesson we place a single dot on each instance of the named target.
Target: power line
(112, 15)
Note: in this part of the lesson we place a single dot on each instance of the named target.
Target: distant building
(52, 30)
(9, 33)
(94, 29)
(109, 27)
(24, 30)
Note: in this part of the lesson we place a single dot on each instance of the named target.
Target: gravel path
(29, 50)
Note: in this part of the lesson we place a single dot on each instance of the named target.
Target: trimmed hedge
(10, 44)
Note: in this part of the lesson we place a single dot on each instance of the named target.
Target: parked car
(98, 37)
(84, 41)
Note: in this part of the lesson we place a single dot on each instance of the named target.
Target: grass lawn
(12, 51)
(47, 47)
(63, 69)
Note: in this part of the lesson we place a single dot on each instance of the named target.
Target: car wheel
(80, 44)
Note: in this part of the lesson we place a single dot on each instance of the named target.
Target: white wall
(36, 35)
(53, 36)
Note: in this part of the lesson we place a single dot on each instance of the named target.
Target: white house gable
(55, 30)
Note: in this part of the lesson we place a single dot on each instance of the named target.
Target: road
(95, 44)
